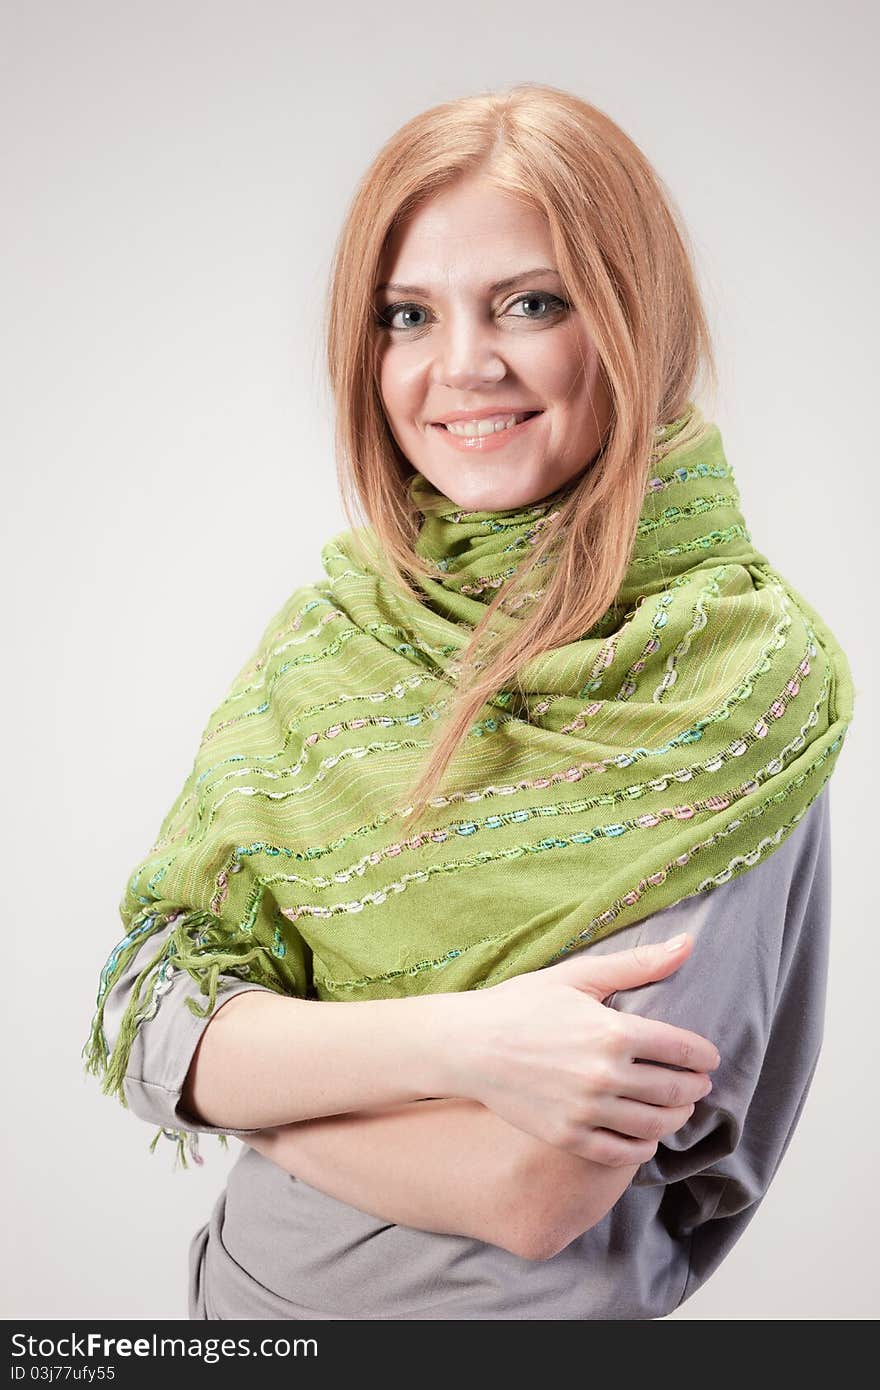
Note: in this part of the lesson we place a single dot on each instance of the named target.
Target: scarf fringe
(184, 1139)
(188, 947)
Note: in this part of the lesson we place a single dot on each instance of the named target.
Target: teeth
(491, 425)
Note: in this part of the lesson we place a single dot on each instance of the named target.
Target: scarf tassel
(184, 1139)
(188, 947)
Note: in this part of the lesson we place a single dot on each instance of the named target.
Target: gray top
(754, 983)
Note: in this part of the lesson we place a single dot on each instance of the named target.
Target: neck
(691, 516)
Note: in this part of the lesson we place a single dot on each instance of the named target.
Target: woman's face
(454, 343)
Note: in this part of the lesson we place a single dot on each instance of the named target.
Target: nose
(467, 356)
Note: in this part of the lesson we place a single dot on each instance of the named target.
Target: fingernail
(675, 943)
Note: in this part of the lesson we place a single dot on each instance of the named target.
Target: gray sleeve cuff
(165, 1043)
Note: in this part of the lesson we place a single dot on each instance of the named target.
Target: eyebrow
(505, 284)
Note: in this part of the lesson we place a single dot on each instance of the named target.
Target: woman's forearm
(312, 1077)
(267, 1059)
(448, 1166)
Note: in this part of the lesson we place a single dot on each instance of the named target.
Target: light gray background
(174, 176)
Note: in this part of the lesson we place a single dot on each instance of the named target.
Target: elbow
(558, 1229)
(554, 1196)
(536, 1235)
(538, 1245)
(551, 1225)
(549, 1239)
(576, 1194)
(536, 1251)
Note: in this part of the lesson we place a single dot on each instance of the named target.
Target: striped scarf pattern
(672, 747)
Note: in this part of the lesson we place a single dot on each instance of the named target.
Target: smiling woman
(470, 351)
(548, 708)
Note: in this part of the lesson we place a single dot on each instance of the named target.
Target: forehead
(471, 233)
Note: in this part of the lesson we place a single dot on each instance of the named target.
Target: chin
(497, 501)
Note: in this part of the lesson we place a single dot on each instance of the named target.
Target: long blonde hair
(626, 266)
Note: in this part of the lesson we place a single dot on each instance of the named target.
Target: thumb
(603, 975)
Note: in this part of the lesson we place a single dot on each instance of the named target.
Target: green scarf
(671, 748)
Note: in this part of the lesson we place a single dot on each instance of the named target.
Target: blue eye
(551, 299)
(384, 317)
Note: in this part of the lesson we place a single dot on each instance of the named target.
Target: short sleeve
(165, 1042)
(755, 985)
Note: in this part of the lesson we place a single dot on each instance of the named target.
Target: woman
(638, 720)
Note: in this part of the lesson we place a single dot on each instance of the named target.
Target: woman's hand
(550, 1058)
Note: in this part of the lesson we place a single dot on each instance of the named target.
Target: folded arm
(448, 1165)
(451, 1166)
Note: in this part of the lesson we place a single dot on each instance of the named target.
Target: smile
(493, 432)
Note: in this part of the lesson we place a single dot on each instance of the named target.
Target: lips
(486, 441)
(521, 416)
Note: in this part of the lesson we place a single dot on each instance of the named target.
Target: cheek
(399, 393)
(556, 372)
